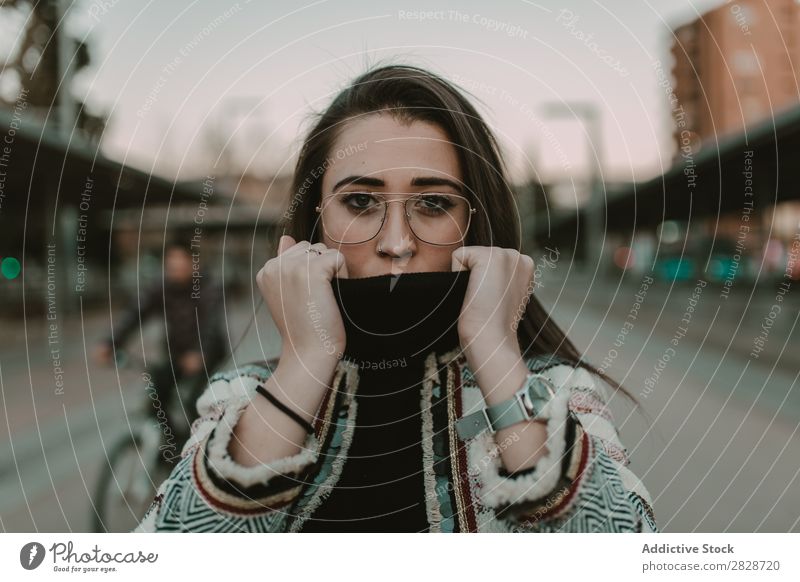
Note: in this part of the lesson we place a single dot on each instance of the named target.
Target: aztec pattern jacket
(581, 485)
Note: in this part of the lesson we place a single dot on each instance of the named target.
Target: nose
(396, 238)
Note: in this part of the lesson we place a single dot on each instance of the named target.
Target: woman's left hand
(499, 288)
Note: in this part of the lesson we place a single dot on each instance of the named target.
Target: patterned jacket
(583, 484)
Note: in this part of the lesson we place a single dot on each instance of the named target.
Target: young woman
(420, 386)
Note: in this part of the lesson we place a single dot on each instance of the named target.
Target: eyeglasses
(437, 218)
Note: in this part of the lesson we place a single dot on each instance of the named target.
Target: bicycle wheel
(127, 484)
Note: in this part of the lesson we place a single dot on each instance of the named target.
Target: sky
(173, 75)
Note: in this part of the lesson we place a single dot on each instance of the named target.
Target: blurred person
(421, 386)
(189, 303)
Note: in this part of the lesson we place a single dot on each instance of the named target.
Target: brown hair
(410, 93)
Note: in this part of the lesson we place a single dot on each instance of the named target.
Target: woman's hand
(297, 289)
(499, 288)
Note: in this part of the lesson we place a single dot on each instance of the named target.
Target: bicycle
(141, 459)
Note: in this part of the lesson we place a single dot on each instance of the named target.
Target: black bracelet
(289, 412)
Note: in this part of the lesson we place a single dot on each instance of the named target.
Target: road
(56, 439)
(718, 447)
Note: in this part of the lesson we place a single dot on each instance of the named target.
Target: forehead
(382, 147)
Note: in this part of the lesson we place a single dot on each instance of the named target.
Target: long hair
(411, 94)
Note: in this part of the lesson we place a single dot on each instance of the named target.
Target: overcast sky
(169, 71)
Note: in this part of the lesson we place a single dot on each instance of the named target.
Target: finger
(302, 246)
(462, 259)
(318, 247)
(312, 252)
(335, 264)
(341, 266)
(285, 243)
(294, 248)
(529, 266)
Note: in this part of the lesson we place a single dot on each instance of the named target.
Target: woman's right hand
(296, 286)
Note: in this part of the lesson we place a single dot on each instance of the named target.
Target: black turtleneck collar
(400, 316)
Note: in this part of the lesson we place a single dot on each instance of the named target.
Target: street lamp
(592, 213)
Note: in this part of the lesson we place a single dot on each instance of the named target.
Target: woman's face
(178, 265)
(380, 154)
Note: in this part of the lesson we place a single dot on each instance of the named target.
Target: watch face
(540, 390)
(549, 390)
(527, 403)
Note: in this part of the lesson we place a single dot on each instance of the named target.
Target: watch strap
(506, 413)
(536, 390)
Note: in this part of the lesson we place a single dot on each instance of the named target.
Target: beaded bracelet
(289, 412)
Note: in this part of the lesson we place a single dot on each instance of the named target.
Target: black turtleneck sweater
(392, 325)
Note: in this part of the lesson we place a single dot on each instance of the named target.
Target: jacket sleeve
(583, 483)
(150, 302)
(210, 323)
(207, 490)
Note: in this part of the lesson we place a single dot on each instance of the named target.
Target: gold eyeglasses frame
(411, 196)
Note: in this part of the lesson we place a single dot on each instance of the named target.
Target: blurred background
(653, 148)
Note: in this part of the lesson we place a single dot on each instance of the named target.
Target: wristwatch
(527, 403)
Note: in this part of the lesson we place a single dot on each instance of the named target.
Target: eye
(359, 200)
(434, 202)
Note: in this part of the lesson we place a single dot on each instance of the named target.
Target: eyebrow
(378, 183)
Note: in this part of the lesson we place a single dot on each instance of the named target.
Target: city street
(720, 454)
(723, 446)
(58, 442)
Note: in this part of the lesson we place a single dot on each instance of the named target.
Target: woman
(420, 385)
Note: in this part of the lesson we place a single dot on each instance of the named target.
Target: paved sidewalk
(720, 453)
(61, 435)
